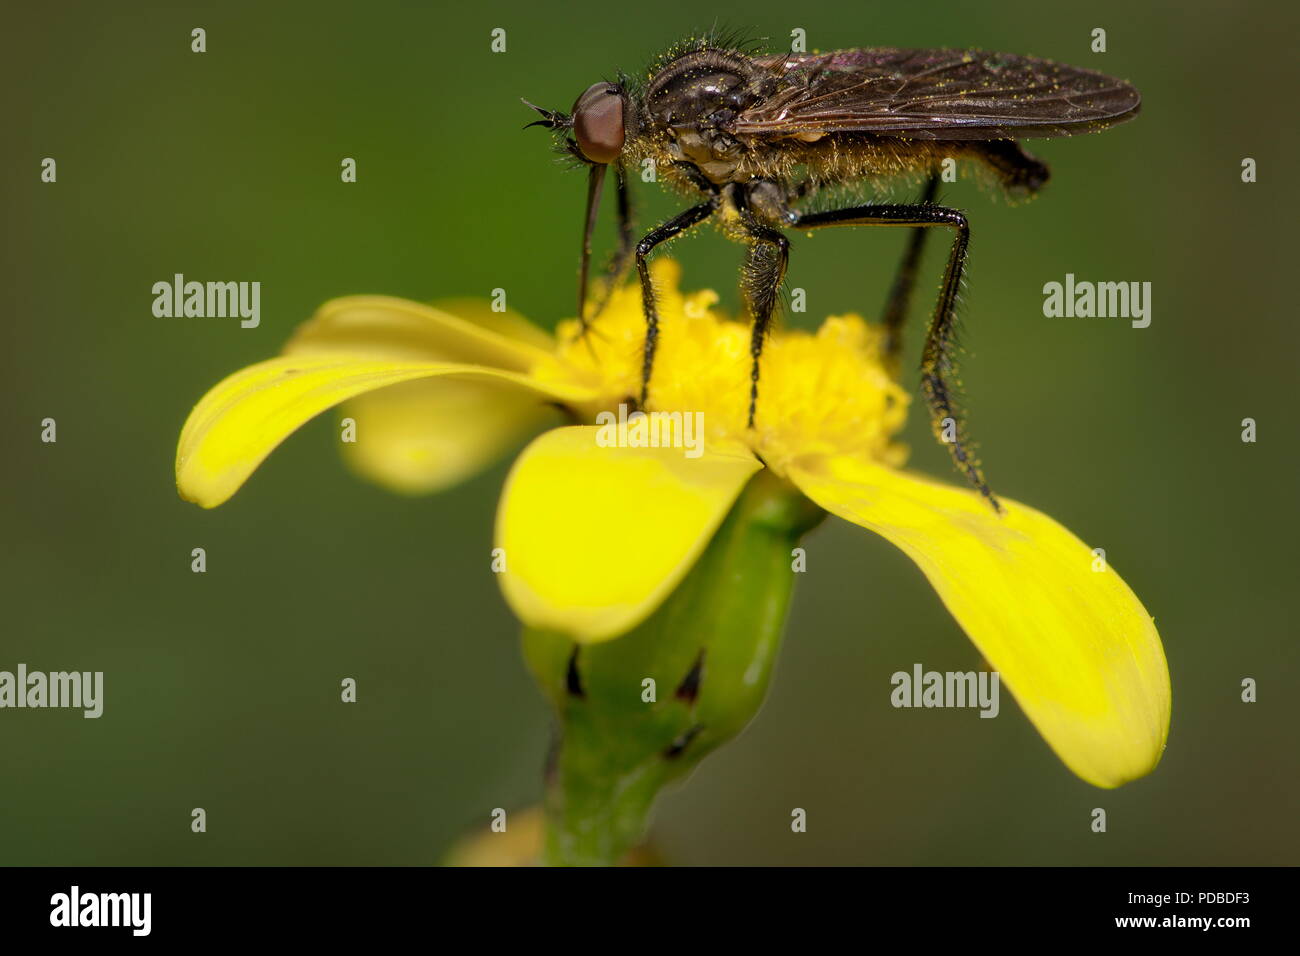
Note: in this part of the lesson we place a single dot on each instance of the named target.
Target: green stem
(709, 651)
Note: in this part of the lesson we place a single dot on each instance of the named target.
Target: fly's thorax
(692, 101)
(658, 153)
(696, 86)
(712, 152)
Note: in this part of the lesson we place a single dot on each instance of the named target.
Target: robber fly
(754, 136)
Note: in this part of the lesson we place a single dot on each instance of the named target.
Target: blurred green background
(222, 689)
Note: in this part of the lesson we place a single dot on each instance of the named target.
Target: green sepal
(615, 750)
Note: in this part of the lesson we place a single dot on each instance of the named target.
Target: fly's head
(596, 129)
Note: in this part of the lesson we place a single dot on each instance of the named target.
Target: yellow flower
(595, 533)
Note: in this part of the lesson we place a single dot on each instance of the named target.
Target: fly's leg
(900, 295)
(938, 366)
(760, 282)
(673, 227)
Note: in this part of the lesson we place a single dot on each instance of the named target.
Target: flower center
(828, 392)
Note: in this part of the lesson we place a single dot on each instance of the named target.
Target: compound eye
(598, 123)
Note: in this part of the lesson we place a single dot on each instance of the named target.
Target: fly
(754, 137)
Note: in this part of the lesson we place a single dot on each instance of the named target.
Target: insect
(755, 137)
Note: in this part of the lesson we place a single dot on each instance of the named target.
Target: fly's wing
(934, 94)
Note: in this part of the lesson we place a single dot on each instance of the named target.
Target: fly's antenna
(551, 119)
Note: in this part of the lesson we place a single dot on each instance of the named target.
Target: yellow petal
(428, 435)
(1075, 646)
(508, 323)
(238, 423)
(595, 537)
(384, 327)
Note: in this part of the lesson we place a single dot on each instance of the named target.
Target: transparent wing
(935, 94)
